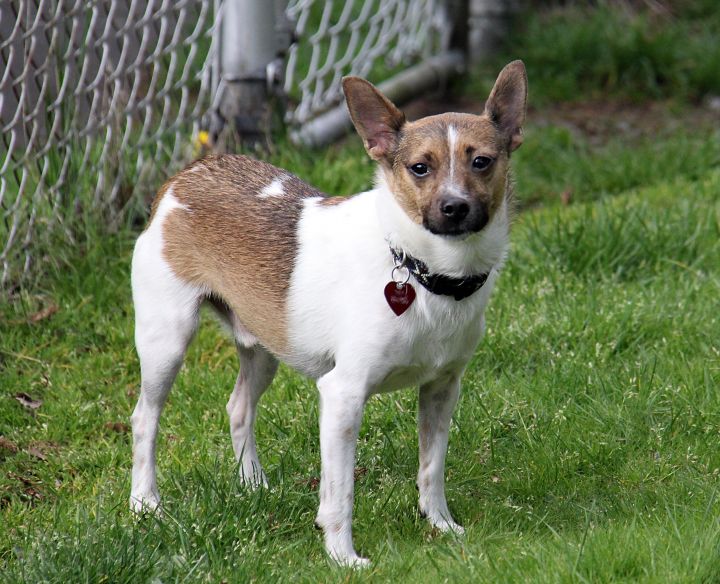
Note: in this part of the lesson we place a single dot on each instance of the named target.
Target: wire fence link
(368, 38)
(100, 100)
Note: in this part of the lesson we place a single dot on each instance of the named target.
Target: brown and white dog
(371, 293)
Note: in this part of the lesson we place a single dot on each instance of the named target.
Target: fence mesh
(369, 38)
(101, 99)
(98, 100)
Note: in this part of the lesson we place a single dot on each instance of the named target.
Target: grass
(82, 181)
(584, 447)
(617, 47)
(556, 161)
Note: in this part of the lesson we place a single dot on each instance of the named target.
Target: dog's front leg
(437, 402)
(341, 407)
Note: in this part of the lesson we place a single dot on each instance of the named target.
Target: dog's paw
(443, 523)
(359, 563)
(341, 551)
(252, 475)
(145, 505)
(254, 480)
(449, 527)
(351, 561)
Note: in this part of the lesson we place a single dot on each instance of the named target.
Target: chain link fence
(100, 100)
(368, 38)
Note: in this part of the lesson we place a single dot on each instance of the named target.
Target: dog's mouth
(455, 229)
(452, 232)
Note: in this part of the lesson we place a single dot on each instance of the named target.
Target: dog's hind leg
(437, 402)
(257, 369)
(166, 315)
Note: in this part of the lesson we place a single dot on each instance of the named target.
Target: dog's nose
(454, 208)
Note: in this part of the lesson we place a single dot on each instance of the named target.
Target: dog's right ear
(507, 103)
(375, 117)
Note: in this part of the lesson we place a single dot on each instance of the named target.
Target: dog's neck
(452, 256)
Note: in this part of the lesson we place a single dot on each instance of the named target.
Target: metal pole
(489, 24)
(248, 50)
(459, 15)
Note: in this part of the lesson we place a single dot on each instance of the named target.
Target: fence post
(459, 15)
(489, 24)
(249, 51)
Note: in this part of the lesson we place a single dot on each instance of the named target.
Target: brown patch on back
(237, 244)
(332, 201)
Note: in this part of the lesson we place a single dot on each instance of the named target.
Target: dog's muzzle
(454, 215)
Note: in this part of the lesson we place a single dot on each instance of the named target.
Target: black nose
(454, 208)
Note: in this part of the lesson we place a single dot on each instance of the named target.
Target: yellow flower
(202, 143)
(203, 138)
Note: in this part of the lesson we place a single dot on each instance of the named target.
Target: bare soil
(598, 121)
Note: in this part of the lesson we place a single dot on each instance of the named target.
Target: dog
(369, 293)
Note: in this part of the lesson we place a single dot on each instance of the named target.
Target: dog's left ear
(507, 103)
(375, 117)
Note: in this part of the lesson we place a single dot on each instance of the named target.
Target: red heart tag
(399, 298)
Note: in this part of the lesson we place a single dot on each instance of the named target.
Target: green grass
(585, 447)
(554, 161)
(617, 48)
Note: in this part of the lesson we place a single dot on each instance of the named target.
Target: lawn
(585, 447)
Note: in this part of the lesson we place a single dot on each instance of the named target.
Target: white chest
(438, 338)
(338, 314)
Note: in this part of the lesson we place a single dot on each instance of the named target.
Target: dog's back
(231, 230)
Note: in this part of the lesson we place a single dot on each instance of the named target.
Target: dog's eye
(482, 162)
(419, 169)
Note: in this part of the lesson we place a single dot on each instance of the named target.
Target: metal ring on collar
(400, 282)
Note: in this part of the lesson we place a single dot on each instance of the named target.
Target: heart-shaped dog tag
(399, 296)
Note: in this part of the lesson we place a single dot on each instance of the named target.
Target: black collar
(458, 288)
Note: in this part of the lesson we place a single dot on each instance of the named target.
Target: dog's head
(448, 172)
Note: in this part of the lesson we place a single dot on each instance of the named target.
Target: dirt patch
(26, 487)
(7, 448)
(117, 427)
(598, 121)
